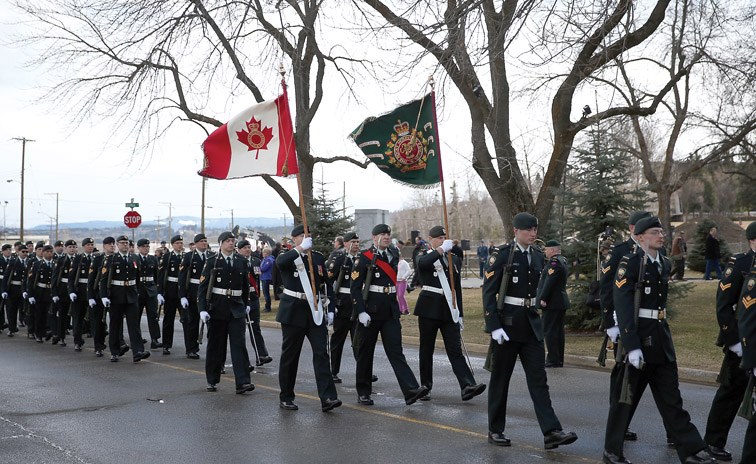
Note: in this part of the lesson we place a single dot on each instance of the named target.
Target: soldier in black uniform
(77, 290)
(553, 299)
(13, 287)
(253, 263)
(339, 269)
(60, 294)
(5, 257)
(747, 326)
(375, 272)
(148, 292)
(648, 339)
(27, 311)
(434, 315)
(223, 304)
(732, 379)
(168, 292)
(190, 272)
(39, 290)
(296, 318)
(96, 309)
(58, 250)
(517, 330)
(119, 294)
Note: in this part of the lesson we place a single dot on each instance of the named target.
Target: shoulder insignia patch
(551, 271)
(606, 269)
(724, 286)
(751, 283)
(202, 279)
(330, 266)
(608, 257)
(355, 275)
(728, 271)
(748, 301)
(104, 270)
(488, 275)
(181, 268)
(492, 259)
(620, 283)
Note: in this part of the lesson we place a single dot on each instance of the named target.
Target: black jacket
(552, 288)
(432, 304)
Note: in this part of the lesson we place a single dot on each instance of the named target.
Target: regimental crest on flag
(254, 138)
(408, 149)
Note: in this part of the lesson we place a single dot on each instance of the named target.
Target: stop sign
(132, 219)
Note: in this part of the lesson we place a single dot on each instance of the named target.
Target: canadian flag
(257, 141)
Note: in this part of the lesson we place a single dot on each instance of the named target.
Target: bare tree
(150, 63)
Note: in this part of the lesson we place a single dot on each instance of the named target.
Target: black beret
(524, 221)
(6, 246)
(199, 237)
(122, 238)
(242, 243)
(47, 248)
(87, 241)
(59, 243)
(39, 244)
(70, 242)
(18, 244)
(637, 216)
(349, 236)
(647, 223)
(437, 231)
(297, 230)
(29, 242)
(176, 238)
(552, 243)
(751, 231)
(143, 242)
(108, 240)
(381, 229)
(131, 243)
(22, 247)
(225, 236)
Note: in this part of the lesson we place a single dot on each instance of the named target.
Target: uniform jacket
(430, 304)
(296, 311)
(14, 272)
(123, 269)
(608, 271)
(747, 315)
(220, 275)
(168, 274)
(79, 269)
(735, 274)
(253, 272)
(148, 266)
(39, 282)
(190, 271)
(520, 323)
(380, 306)
(95, 275)
(3, 265)
(341, 263)
(60, 276)
(552, 288)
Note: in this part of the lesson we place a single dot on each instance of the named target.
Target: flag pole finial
(432, 82)
(281, 70)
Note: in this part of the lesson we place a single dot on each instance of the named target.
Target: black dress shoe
(193, 356)
(630, 435)
(556, 438)
(365, 400)
(671, 442)
(211, 387)
(223, 370)
(288, 405)
(124, 349)
(374, 378)
(610, 458)
(244, 388)
(471, 391)
(154, 344)
(264, 360)
(48, 336)
(166, 350)
(10, 334)
(700, 457)
(114, 359)
(55, 340)
(415, 394)
(720, 454)
(425, 397)
(62, 343)
(329, 404)
(336, 379)
(39, 340)
(98, 353)
(77, 347)
(498, 439)
(141, 355)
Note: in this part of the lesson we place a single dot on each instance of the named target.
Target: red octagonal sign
(132, 219)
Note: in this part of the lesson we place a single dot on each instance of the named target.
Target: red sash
(385, 267)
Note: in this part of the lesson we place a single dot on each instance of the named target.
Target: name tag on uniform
(648, 290)
(435, 274)
(515, 279)
(296, 274)
(218, 279)
(118, 271)
(377, 274)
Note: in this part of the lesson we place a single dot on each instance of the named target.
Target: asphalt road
(59, 406)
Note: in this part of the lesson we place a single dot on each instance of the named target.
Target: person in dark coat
(712, 254)
(553, 300)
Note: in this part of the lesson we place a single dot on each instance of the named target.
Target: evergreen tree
(327, 221)
(696, 260)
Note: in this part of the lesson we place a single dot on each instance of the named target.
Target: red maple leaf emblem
(254, 138)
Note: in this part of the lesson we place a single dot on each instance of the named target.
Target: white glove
(247, 309)
(184, 302)
(72, 296)
(161, 300)
(330, 319)
(25, 295)
(461, 325)
(754, 371)
(737, 349)
(635, 357)
(106, 302)
(500, 336)
(56, 299)
(447, 245)
(4, 295)
(92, 303)
(32, 300)
(364, 319)
(306, 243)
(205, 316)
(613, 333)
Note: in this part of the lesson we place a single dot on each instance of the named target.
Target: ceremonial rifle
(625, 394)
(209, 296)
(747, 407)
(500, 302)
(109, 284)
(607, 344)
(369, 278)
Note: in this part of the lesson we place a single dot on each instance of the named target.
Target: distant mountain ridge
(247, 222)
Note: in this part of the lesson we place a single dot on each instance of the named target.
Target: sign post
(132, 219)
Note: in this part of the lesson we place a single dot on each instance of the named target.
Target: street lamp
(57, 203)
(232, 217)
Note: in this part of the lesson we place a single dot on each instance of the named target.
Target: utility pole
(23, 141)
(57, 218)
(170, 218)
(202, 220)
(5, 230)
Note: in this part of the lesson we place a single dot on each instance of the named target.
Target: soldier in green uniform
(517, 331)
(148, 277)
(13, 287)
(96, 308)
(60, 294)
(732, 379)
(553, 300)
(77, 290)
(747, 313)
(39, 289)
(339, 269)
(168, 291)
(190, 272)
(5, 257)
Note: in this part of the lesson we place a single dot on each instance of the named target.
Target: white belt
(172, 279)
(64, 280)
(659, 314)
(345, 290)
(379, 289)
(440, 291)
(299, 295)
(511, 300)
(44, 285)
(123, 283)
(194, 281)
(15, 282)
(226, 291)
(83, 281)
(148, 279)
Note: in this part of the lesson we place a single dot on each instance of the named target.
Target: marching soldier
(58, 250)
(148, 292)
(96, 309)
(28, 313)
(13, 287)
(77, 290)
(5, 257)
(295, 316)
(647, 344)
(253, 263)
(223, 304)
(553, 299)
(60, 294)
(39, 289)
(732, 379)
(168, 292)
(747, 327)
(190, 272)
(434, 314)
(339, 269)
(373, 291)
(119, 295)
(517, 331)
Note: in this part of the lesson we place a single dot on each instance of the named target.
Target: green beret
(224, 236)
(524, 221)
(349, 236)
(297, 230)
(751, 231)
(437, 231)
(70, 242)
(87, 241)
(176, 238)
(143, 242)
(242, 243)
(647, 223)
(637, 216)
(552, 243)
(381, 229)
(108, 240)
(199, 237)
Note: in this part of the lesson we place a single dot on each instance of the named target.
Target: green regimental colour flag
(404, 143)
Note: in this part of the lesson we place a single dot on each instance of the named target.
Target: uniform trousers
(62, 322)
(291, 348)
(341, 328)
(391, 335)
(151, 305)
(429, 328)
(78, 311)
(12, 304)
(553, 335)
(190, 321)
(97, 326)
(749, 451)
(219, 333)
(254, 316)
(117, 313)
(169, 319)
(726, 402)
(39, 310)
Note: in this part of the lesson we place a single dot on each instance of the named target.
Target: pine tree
(327, 221)
(696, 260)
